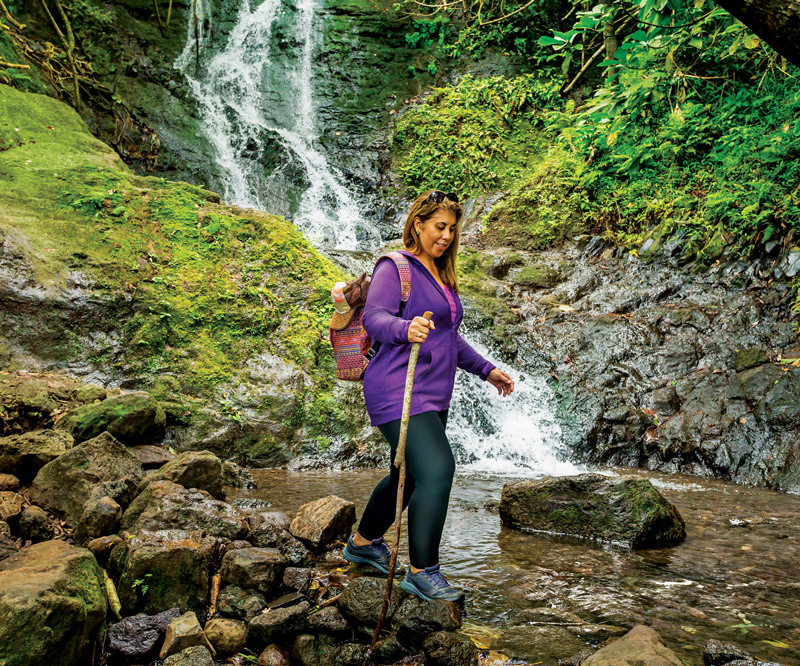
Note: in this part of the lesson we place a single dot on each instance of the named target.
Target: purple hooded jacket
(439, 355)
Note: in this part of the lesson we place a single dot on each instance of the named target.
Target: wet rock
(151, 456)
(314, 650)
(235, 476)
(100, 517)
(255, 568)
(270, 529)
(390, 649)
(192, 469)
(198, 655)
(10, 506)
(322, 521)
(122, 491)
(9, 482)
(89, 393)
(273, 656)
(328, 620)
(629, 512)
(352, 654)
(717, 653)
(448, 648)
(184, 632)
(162, 570)
(34, 525)
(65, 484)
(539, 642)
(8, 546)
(276, 624)
(297, 578)
(24, 455)
(416, 618)
(101, 547)
(132, 418)
(578, 658)
(140, 635)
(362, 600)
(227, 636)
(166, 505)
(37, 585)
(538, 276)
(240, 603)
(640, 645)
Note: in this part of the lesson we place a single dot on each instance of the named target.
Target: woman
(431, 236)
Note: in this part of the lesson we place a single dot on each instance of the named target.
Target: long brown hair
(423, 208)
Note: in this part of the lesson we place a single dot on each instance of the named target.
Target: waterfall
(257, 106)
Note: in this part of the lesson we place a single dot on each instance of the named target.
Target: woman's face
(436, 233)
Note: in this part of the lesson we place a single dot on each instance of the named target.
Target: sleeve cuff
(404, 331)
(487, 369)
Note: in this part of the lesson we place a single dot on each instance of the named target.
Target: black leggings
(429, 475)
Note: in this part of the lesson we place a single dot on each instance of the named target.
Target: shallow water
(736, 577)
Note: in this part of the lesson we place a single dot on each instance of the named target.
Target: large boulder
(641, 645)
(133, 418)
(139, 636)
(64, 484)
(162, 570)
(166, 505)
(362, 600)
(24, 455)
(320, 522)
(416, 618)
(628, 512)
(192, 469)
(258, 569)
(52, 605)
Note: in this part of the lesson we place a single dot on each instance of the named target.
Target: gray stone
(448, 648)
(151, 456)
(314, 650)
(416, 618)
(328, 620)
(628, 512)
(140, 635)
(198, 655)
(352, 654)
(255, 568)
(240, 603)
(322, 521)
(192, 469)
(184, 632)
(717, 653)
(273, 655)
(297, 578)
(100, 518)
(235, 476)
(362, 600)
(276, 624)
(270, 529)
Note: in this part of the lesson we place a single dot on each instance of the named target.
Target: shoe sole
(355, 559)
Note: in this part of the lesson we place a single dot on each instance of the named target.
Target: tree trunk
(777, 22)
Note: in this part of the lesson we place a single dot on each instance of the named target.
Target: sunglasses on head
(437, 196)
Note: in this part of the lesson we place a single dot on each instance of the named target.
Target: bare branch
(9, 18)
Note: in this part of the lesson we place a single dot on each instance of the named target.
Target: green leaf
(697, 42)
(549, 41)
(638, 36)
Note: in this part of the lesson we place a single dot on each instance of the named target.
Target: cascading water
(257, 106)
(256, 99)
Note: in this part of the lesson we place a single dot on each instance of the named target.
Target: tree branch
(9, 18)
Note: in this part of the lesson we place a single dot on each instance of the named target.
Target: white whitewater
(234, 86)
(514, 436)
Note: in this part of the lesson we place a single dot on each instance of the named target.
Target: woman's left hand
(501, 381)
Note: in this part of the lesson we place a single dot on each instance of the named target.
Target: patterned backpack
(352, 347)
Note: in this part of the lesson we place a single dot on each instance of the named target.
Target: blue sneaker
(376, 554)
(430, 584)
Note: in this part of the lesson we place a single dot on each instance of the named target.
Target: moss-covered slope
(157, 285)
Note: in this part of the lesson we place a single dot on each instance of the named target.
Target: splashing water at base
(517, 435)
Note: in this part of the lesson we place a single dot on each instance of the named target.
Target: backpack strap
(404, 270)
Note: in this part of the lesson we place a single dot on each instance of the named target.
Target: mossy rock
(538, 276)
(625, 512)
(132, 418)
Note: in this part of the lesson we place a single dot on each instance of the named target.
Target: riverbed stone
(192, 469)
(628, 512)
(273, 655)
(297, 578)
(197, 655)
(162, 570)
(64, 484)
(132, 418)
(25, 454)
(100, 517)
(322, 521)
(352, 654)
(416, 618)
(34, 525)
(641, 645)
(184, 632)
(717, 653)
(9, 482)
(448, 648)
(167, 505)
(328, 620)
(52, 605)
(151, 456)
(276, 624)
(259, 569)
(122, 490)
(226, 635)
(236, 476)
(270, 529)
(362, 600)
(314, 650)
(240, 603)
(538, 642)
(140, 635)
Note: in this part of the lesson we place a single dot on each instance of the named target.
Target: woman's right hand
(418, 331)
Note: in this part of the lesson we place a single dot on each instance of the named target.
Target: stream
(736, 577)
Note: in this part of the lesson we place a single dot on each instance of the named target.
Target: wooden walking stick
(399, 462)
